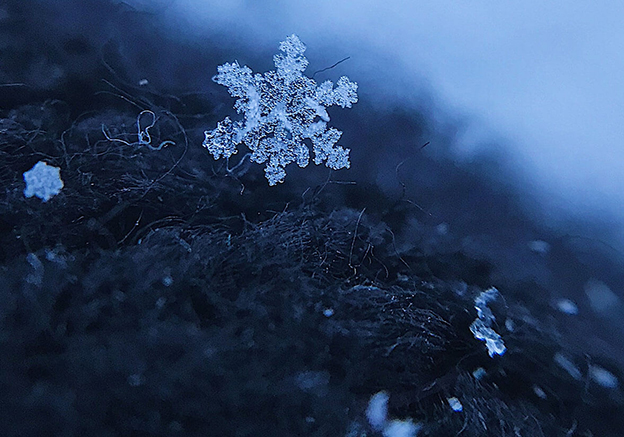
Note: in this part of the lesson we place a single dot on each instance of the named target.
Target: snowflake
(43, 181)
(282, 109)
(482, 329)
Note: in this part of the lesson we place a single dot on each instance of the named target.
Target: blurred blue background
(540, 80)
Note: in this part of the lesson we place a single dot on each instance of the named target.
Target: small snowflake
(481, 328)
(43, 181)
(282, 109)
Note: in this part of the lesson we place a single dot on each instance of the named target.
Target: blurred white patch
(603, 377)
(442, 228)
(36, 276)
(377, 416)
(160, 303)
(567, 365)
(377, 410)
(567, 306)
(539, 246)
(401, 428)
(136, 379)
(600, 296)
(460, 287)
(539, 392)
(479, 373)
(510, 325)
(311, 381)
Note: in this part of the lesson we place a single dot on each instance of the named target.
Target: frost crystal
(282, 108)
(482, 329)
(43, 181)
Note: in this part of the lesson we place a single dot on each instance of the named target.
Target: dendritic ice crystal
(282, 109)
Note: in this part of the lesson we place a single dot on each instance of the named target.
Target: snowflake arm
(292, 63)
(344, 95)
(236, 78)
(220, 141)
